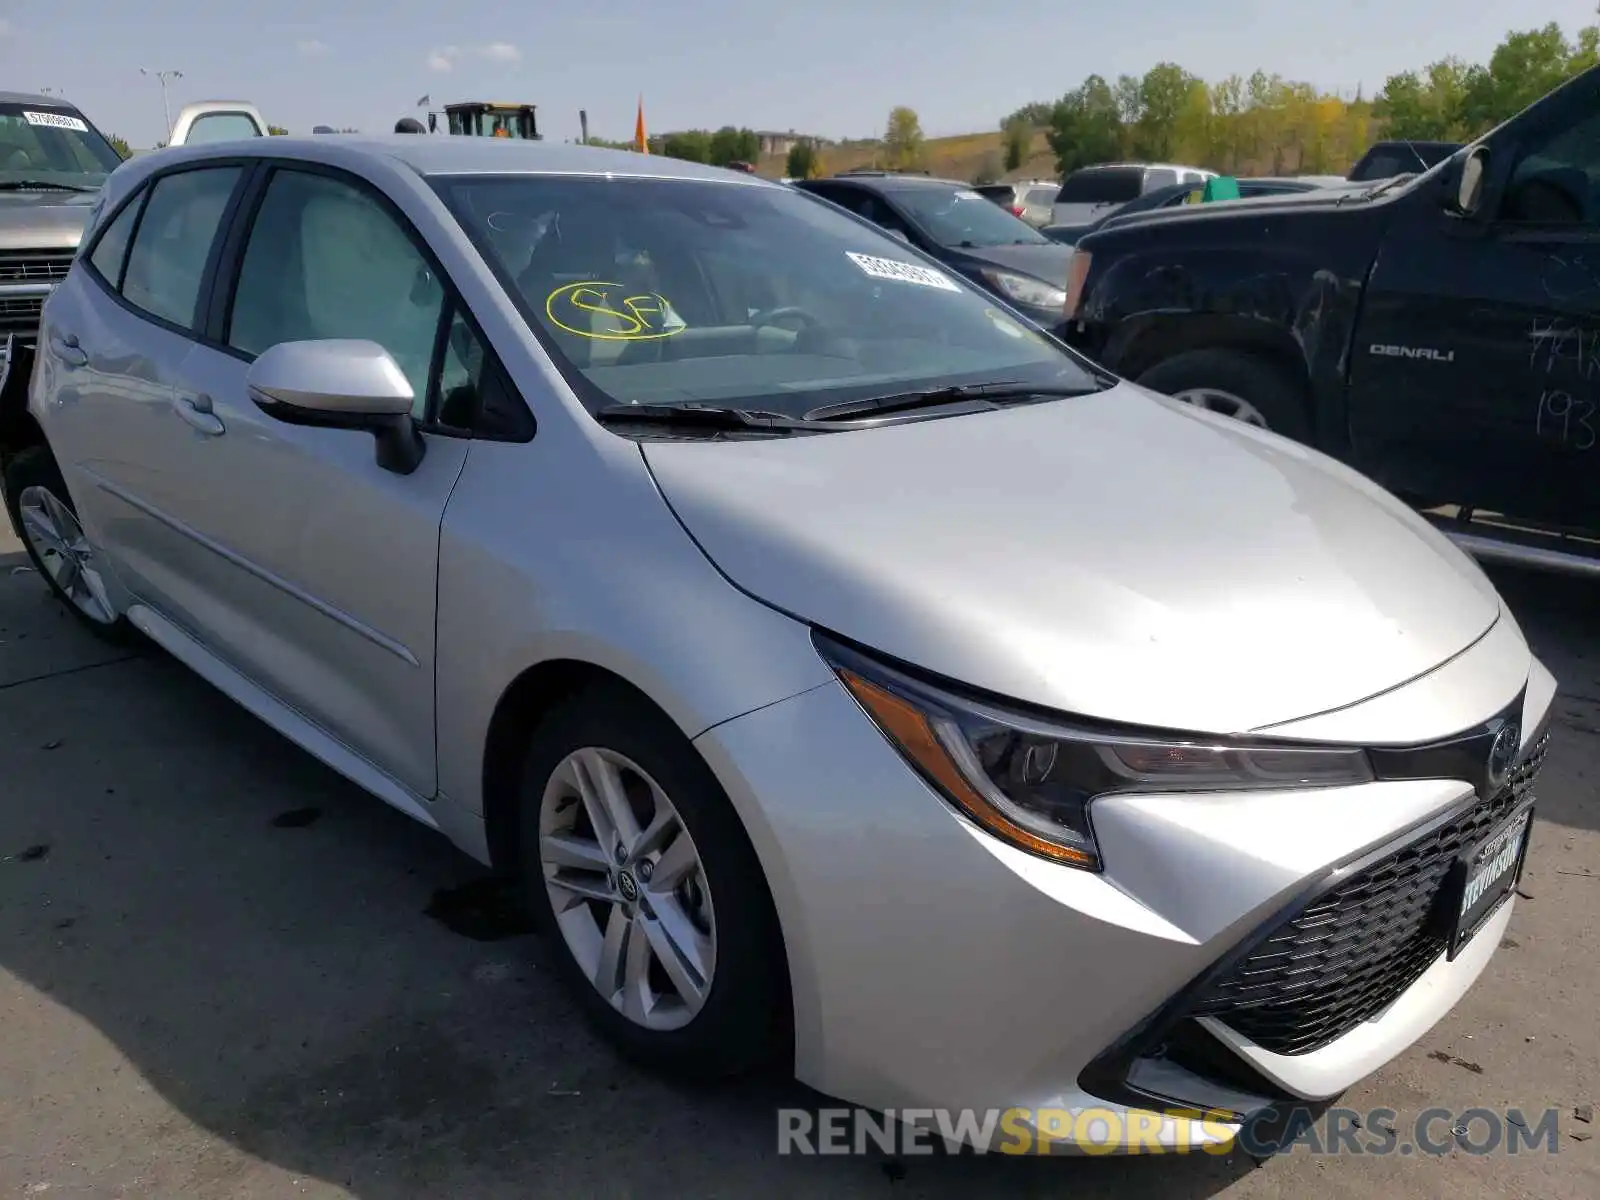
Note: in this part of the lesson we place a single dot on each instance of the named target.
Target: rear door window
(1101, 185)
(1159, 177)
(167, 260)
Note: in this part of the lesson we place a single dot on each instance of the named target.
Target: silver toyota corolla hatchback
(850, 672)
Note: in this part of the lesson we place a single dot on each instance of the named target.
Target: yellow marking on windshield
(610, 313)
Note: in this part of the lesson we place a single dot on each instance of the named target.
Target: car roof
(885, 181)
(36, 98)
(446, 154)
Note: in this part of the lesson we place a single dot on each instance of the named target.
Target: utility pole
(166, 110)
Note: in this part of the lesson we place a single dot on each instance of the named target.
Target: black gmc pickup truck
(1439, 332)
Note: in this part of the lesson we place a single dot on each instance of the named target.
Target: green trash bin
(1222, 187)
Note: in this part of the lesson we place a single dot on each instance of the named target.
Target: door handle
(196, 411)
(65, 347)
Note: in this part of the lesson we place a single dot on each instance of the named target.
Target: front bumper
(935, 967)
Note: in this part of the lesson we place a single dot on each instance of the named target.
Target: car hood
(44, 220)
(1117, 556)
(1052, 263)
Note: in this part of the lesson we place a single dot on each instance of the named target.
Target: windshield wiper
(1392, 182)
(978, 395)
(693, 414)
(43, 185)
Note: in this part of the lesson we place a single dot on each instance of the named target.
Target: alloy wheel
(627, 888)
(62, 548)
(1224, 404)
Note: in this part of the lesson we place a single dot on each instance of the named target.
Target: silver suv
(1091, 192)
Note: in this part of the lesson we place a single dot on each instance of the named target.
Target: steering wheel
(772, 316)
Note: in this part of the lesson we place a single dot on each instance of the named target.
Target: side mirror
(1469, 179)
(341, 384)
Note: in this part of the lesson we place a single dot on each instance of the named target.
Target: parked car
(1385, 160)
(216, 121)
(1175, 195)
(842, 667)
(52, 164)
(1429, 330)
(953, 224)
(1090, 193)
(1028, 199)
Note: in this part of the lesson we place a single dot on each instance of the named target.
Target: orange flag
(640, 142)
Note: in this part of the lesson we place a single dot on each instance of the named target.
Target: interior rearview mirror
(341, 384)
(1469, 183)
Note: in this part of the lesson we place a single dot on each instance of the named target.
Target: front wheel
(1234, 384)
(634, 860)
(40, 506)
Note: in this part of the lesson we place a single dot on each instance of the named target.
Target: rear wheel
(1234, 384)
(41, 507)
(635, 863)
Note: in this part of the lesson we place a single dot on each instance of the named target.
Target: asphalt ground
(226, 972)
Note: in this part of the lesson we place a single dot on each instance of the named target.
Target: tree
(277, 131)
(903, 141)
(1164, 95)
(989, 171)
(691, 145)
(1085, 127)
(1017, 132)
(729, 145)
(802, 161)
(120, 145)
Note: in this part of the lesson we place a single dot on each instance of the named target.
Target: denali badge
(1438, 356)
(1503, 755)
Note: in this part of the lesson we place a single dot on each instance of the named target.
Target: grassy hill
(961, 157)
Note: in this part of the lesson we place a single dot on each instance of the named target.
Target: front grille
(34, 266)
(27, 272)
(1350, 953)
(20, 314)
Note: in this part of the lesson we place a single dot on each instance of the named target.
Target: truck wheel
(1235, 384)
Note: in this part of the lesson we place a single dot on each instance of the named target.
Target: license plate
(1485, 875)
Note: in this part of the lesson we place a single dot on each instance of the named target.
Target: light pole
(162, 77)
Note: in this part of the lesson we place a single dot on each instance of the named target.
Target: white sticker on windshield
(55, 120)
(969, 195)
(901, 272)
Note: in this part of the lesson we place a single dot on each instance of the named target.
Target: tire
(34, 481)
(1276, 397)
(741, 1018)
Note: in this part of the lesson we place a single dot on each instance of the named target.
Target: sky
(833, 68)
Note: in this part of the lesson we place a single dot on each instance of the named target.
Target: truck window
(1159, 177)
(1557, 180)
(1102, 185)
(221, 127)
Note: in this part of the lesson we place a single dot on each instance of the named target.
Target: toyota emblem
(1503, 755)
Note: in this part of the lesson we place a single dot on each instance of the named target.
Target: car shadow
(1560, 617)
(315, 982)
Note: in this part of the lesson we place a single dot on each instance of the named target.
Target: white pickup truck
(217, 121)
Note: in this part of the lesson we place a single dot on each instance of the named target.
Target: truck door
(1475, 372)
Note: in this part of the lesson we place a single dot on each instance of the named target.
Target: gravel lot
(225, 972)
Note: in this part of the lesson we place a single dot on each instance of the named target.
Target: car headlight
(1031, 779)
(1020, 289)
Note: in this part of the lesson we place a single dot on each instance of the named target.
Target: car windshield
(740, 295)
(50, 144)
(960, 217)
